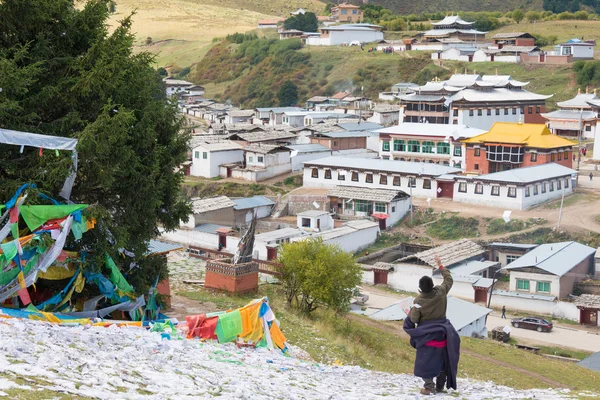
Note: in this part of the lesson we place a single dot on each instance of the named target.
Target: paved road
(565, 337)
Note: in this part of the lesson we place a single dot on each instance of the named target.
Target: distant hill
(416, 7)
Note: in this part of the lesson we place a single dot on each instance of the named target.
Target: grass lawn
(570, 200)
(453, 227)
(498, 225)
(376, 345)
(385, 240)
(202, 187)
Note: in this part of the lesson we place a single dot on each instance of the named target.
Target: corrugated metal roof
(209, 228)
(526, 174)
(449, 253)
(160, 247)
(361, 224)
(222, 146)
(440, 130)
(210, 204)
(391, 166)
(555, 258)
(312, 213)
(497, 94)
(513, 245)
(358, 193)
(346, 229)
(308, 148)
(278, 234)
(251, 202)
(362, 126)
(484, 283)
(592, 362)
(471, 267)
(574, 115)
(462, 313)
(342, 135)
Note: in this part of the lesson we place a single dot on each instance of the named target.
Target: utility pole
(579, 140)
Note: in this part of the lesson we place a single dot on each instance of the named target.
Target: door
(447, 189)
(228, 172)
(380, 277)
(594, 318)
(222, 241)
(382, 224)
(271, 253)
(542, 58)
(318, 223)
(480, 295)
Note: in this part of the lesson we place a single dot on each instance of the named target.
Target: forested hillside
(417, 7)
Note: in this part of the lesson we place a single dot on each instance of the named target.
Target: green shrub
(454, 227)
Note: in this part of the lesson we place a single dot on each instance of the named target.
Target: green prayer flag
(14, 230)
(9, 249)
(229, 326)
(36, 216)
(116, 277)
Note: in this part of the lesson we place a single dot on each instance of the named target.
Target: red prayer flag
(24, 296)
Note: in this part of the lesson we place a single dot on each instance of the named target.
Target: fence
(264, 267)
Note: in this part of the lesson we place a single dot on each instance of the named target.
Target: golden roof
(530, 135)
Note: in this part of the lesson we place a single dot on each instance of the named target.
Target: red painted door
(447, 189)
(382, 224)
(380, 277)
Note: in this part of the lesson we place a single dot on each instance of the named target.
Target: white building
(252, 207)
(516, 189)
(346, 34)
(579, 49)
(314, 221)
(432, 143)
(174, 86)
(417, 179)
(239, 117)
(262, 161)
(385, 114)
(208, 157)
(301, 153)
(352, 236)
(384, 205)
(272, 115)
(551, 269)
(299, 119)
(576, 116)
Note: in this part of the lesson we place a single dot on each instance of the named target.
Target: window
(537, 110)
(363, 206)
(510, 258)
(396, 181)
(261, 159)
(497, 111)
(334, 143)
(566, 155)
(476, 167)
(399, 145)
(522, 284)
(414, 146)
(529, 110)
(559, 156)
(552, 186)
(306, 222)
(196, 154)
(495, 190)
(443, 148)
(251, 159)
(426, 183)
(543, 287)
(355, 177)
(354, 11)
(385, 146)
(393, 209)
(588, 128)
(489, 111)
(383, 179)
(381, 207)
(514, 111)
(558, 184)
(412, 182)
(479, 188)
(477, 151)
(455, 122)
(341, 176)
(527, 192)
(315, 171)
(480, 112)
(455, 112)
(369, 178)
(471, 113)
(552, 157)
(506, 111)
(512, 192)
(566, 183)
(344, 11)
(544, 187)
(535, 189)
(428, 147)
(457, 151)
(462, 187)
(327, 174)
(533, 157)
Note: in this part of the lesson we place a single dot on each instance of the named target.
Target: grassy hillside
(182, 30)
(416, 7)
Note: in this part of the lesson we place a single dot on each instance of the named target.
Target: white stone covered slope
(131, 363)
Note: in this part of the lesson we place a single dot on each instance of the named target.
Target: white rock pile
(132, 363)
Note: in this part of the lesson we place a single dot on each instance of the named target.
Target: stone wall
(222, 275)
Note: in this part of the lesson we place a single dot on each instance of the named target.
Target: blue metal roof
(592, 362)
(555, 258)
(160, 247)
(251, 202)
(209, 228)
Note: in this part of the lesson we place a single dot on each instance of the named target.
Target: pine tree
(287, 94)
(63, 73)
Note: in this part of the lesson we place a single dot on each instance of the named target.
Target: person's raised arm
(448, 281)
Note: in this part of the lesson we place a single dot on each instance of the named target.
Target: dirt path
(399, 332)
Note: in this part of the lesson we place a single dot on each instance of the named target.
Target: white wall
(556, 309)
(341, 37)
(485, 121)
(478, 327)
(532, 200)
(533, 279)
(401, 207)
(209, 167)
(486, 199)
(583, 51)
(325, 223)
(460, 289)
(597, 145)
(356, 240)
(268, 160)
(404, 277)
(321, 182)
(299, 158)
